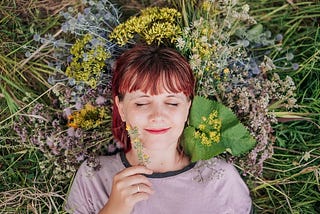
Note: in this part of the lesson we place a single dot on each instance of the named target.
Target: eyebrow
(140, 96)
(174, 95)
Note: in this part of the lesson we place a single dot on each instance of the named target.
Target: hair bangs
(156, 77)
(154, 82)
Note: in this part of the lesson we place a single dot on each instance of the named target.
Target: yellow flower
(209, 129)
(137, 145)
(87, 118)
(128, 127)
(205, 140)
(202, 127)
(197, 134)
(154, 25)
(88, 61)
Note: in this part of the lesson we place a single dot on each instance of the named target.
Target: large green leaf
(235, 138)
(196, 150)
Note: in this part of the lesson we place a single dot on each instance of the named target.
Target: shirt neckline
(158, 174)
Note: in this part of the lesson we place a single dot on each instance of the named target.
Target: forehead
(152, 83)
(164, 94)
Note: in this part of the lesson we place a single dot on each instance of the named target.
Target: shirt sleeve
(78, 199)
(237, 192)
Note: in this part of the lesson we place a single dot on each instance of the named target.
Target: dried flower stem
(138, 146)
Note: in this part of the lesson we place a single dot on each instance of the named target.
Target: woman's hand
(129, 187)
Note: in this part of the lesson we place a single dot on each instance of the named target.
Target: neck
(159, 160)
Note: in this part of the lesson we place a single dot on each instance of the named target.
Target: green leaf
(200, 107)
(196, 150)
(235, 138)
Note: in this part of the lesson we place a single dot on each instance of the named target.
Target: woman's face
(159, 118)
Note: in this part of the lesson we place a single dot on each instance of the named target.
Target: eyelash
(141, 104)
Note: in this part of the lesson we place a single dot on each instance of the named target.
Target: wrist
(110, 209)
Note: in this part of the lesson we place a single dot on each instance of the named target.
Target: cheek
(181, 118)
(185, 114)
(135, 118)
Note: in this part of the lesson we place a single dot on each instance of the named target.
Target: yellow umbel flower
(154, 25)
(209, 129)
(88, 118)
(88, 60)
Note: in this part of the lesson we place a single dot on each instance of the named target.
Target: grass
(291, 179)
(24, 188)
(16, 38)
(290, 182)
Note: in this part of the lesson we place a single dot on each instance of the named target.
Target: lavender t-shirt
(206, 187)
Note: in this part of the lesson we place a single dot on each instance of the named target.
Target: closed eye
(141, 104)
(173, 104)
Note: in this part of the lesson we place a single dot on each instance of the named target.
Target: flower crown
(213, 128)
(237, 95)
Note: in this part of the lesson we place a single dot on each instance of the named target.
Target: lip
(157, 131)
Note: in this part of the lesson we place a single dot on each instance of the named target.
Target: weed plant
(24, 188)
(290, 182)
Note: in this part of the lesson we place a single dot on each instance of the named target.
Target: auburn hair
(149, 69)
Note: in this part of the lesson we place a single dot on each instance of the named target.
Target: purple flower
(80, 157)
(100, 100)
(295, 66)
(36, 37)
(78, 133)
(54, 150)
(55, 123)
(49, 142)
(279, 37)
(71, 132)
(67, 112)
(78, 105)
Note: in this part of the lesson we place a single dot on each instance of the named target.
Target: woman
(153, 89)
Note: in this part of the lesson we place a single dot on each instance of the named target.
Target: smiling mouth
(157, 131)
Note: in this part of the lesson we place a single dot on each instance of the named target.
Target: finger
(128, 182)
(142, 188)
(136, 179)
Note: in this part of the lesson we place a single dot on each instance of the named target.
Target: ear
(189, 104)
(119, 105)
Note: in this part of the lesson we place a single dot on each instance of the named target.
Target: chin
(159, 146)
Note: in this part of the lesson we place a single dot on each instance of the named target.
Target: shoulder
(225, 179)
(217, 169)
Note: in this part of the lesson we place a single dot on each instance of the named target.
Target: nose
(157, 113)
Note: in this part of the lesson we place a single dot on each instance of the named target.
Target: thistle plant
(209, 45)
